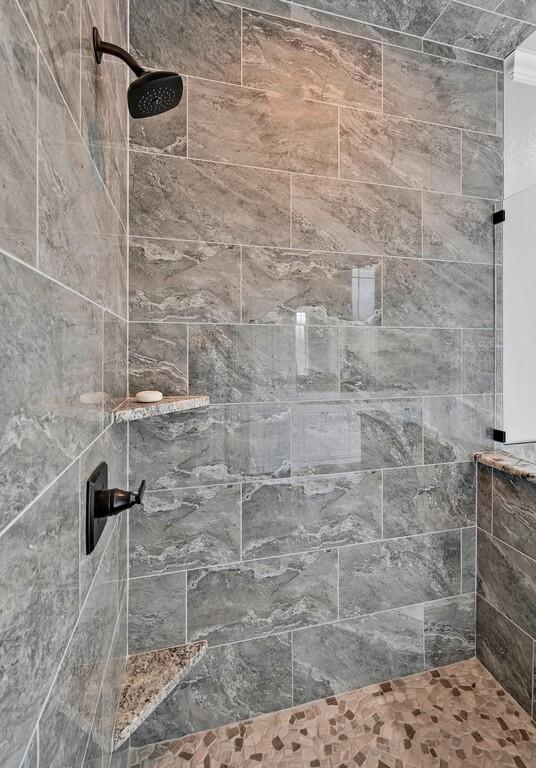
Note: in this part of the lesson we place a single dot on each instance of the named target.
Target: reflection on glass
(363, 293)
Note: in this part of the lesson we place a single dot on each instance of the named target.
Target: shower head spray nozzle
(152, 92)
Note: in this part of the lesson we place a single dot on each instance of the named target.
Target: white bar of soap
(149, 396)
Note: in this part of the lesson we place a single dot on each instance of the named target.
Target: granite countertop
(130, 409)
(505, 462)
(147, 680)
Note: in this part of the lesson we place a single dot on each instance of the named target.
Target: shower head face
(154, 93)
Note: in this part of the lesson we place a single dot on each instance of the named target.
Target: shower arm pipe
(101, 47)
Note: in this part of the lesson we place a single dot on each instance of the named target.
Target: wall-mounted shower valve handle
(114, 500)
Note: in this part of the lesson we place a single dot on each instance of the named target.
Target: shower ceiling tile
(479, 30)
(519, 9)
(462, 55)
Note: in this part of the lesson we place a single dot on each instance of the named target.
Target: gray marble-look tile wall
(312, 246)
(506, 580)
(63, 332)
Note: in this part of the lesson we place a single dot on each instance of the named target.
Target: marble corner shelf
(130, 409)
(509, 464)
(147, 680)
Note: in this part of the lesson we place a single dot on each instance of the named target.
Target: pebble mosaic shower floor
(454, 717)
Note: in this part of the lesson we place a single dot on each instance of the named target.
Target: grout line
(185, 607)
(37, 156)
(498, 610)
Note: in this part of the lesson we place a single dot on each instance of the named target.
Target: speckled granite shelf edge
(509, 464)
(147, 680)
(130, 409)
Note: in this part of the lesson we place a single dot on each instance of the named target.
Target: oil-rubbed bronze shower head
(152, 92)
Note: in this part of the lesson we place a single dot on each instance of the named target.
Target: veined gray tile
(392, 150)
(31, 758)
(69, 713)
(382, 362)
(157, 354)
(462, 54)
(482, 165)
(455, 428)
(39, 608)
(514, 512)
(352, 27)
(219, 445)
(449, 630)
(507, 579)
(268, 130)
(18, 120)
(110, 447)
(310, 288)
(112, 684)
(506, 651)
(310, 62)
(259, 597)
(422, 499)
(519, 9)
(469, 560)
(457, 228)
(484, 497)
(115, 363)
(58, 34)
(289, 516)
(176, 280)
(244, 363)
(478, 361)
(229, 683)
(166, 34)
(51, 389)
(350, 654)
(349, 436)
(81, 239)
(438, 90)
(176, 530)
(174, 197)
(156, 612)
(398, 572)
(355, 217)
(479, 30)
(412, 16)
(438, 294)
(167, 134)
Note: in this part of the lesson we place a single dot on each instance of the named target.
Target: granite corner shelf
(510, 465)
(148, 679)
(131, 410)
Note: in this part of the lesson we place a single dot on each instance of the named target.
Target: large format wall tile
(381, 362)
(39, 608)
(398, 572)
(482, 165)
(52, 363)
(219, 445)
(174, 197)
(114, 363)
(158, 354)
(390, 150)
(422, 499)
(350, 654)
(311, 288)
(233, 363)
(455, 428)
(514, 512)
(18, 121)
(349, 436)
(289, 516)
(167, 135)
(439, 294)
(468, 560)
(506, 651)
(201, 39)
(462, 54)
(258, 597)
(229, 683)
(241, 125)
(479, 30)
(449, 630)
(518, 9)
(478, 361)
(484, 497)
(306, 61)
(438, 90)
(507, 580)
(457, 228)
(176, 530)
(355, 217)
(176, 280)
(156, 612)
(31, 758)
